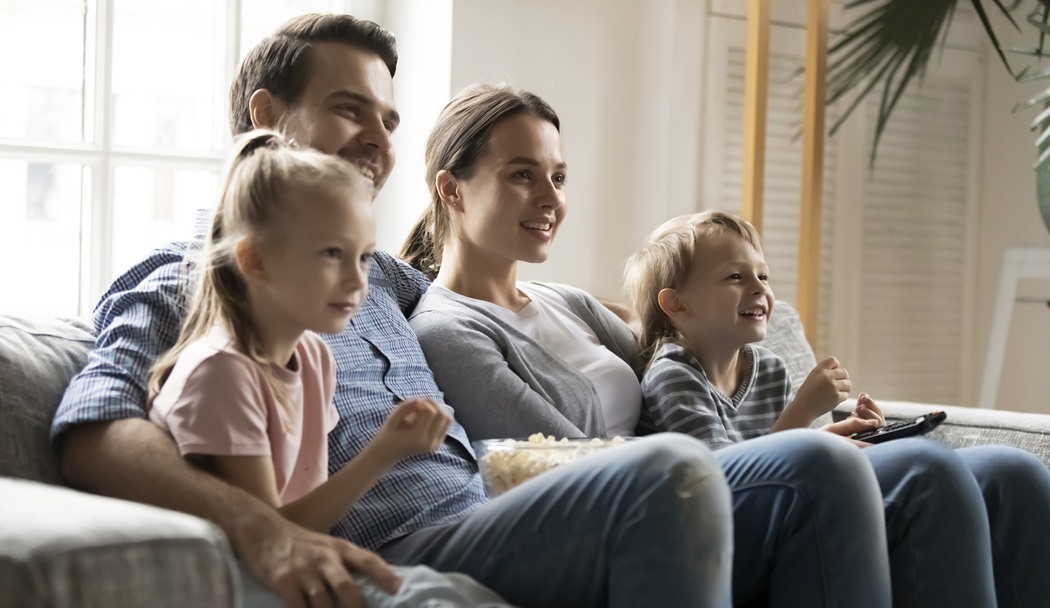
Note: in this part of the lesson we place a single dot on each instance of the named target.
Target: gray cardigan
(502, 383)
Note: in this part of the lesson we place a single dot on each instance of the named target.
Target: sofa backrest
(787, 339)
(38, 357)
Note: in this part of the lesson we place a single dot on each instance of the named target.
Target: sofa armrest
(965, 427)
(60, 547)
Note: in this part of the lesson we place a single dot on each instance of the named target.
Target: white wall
(624, 77)
(1009, 217)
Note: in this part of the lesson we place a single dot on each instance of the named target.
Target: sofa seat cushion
(38, 357)
(966, 427)
(71, 549)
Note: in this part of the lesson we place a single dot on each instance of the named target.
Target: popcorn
(506, 463)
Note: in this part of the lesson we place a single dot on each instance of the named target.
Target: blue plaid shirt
(379, 364)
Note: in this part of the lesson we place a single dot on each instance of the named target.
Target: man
(326, 81)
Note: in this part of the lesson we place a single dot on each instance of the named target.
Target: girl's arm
(414, 427)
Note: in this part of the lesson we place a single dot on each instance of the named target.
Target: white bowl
(505, 463)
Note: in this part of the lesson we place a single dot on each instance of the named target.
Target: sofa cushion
(786, 338)
(38, 357)
(71, 549)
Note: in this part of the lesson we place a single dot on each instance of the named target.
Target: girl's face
(726, 297)
(316, 263)
(511, 207)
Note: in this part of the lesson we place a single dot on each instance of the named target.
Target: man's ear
(448, 188)
(669, 302)
(249, 260)
(265, 109)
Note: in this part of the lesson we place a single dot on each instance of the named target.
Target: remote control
(904, 428)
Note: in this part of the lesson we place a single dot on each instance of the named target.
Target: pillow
(38, 357)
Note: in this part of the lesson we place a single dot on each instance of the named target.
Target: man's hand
(134, 460)
(308, 569)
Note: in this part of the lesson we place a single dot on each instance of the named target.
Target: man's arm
(107, 446)
(133, 459)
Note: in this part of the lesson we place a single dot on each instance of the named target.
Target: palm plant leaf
(889, 45)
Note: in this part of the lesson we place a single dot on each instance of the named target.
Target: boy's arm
(680, 401)
(108, 447)
(825, 387)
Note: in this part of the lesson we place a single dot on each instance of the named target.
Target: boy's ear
(249, 260)
(265, 109)
(669, 302)
(448, 188)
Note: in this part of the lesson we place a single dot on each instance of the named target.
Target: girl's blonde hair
(261, 175)
(665, 260)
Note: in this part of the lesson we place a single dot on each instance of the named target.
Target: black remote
(904, 428)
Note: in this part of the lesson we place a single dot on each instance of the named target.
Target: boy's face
(725, 299)
(347, 108)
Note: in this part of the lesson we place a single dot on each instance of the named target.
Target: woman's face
(511, 207)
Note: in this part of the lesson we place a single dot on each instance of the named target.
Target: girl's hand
(867, 409)
(414, 427)
(826, 386)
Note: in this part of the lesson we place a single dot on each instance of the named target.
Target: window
(113, 129)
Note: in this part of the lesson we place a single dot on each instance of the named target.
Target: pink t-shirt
(217, 402)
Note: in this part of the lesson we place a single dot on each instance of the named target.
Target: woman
(497, 179)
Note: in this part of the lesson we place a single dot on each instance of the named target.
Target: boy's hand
(414, 427)
(852, 425)
(826, 386)
(867, 409)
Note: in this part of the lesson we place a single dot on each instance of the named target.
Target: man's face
(347, 108)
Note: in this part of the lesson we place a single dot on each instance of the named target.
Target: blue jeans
(955, 517)
(645, 524)
(618, 529)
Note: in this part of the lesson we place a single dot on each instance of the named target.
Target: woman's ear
(249, 260)
(669, 302)
(265, 109)
(448, 188)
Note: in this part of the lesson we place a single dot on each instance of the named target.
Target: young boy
(701, 288)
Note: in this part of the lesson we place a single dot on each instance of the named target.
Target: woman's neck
(481, 278)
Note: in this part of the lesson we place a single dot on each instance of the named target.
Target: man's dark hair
(280, 63)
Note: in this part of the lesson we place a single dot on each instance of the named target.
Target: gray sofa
(63, 548)
(60, 548)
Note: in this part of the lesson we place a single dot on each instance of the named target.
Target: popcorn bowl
(506, 463)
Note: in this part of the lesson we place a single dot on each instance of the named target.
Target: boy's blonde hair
(262, 171)
(665, 260)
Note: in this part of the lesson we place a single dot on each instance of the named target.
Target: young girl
(247, 390)
(706, 377)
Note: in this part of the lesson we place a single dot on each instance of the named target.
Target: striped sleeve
(679, 399)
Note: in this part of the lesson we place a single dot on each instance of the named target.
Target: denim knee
(681, 461)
